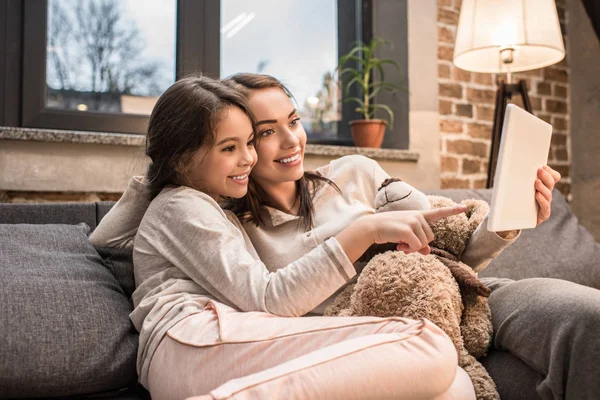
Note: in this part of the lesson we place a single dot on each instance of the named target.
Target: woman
(195, 270)
(548, 323)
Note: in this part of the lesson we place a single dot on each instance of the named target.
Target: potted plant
(369, 131)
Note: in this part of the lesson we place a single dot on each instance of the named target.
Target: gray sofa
(64, 305)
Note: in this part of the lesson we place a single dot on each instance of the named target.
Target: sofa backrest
(49, 213)
(559, 248)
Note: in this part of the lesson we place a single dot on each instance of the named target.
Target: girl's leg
(552, 325)
(336, 358)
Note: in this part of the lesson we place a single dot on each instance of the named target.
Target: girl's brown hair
(248, 207)
(184, 118)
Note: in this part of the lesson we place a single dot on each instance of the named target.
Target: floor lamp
(507, 36)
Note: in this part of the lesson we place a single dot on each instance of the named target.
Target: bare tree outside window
(97, 56)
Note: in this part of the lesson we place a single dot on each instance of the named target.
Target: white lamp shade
(485, 27)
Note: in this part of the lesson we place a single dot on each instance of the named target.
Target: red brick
(445, 35)
(479, 131)
(524, 74)
(464, 110)
(485, 113)
(560, 91)
(451, 90)
(555, 74)
(561, 154)
(470, 167)
(558, 107)
(481, 78)
(445, 52)
(559, 139)
(443, 70)
(451, 126)
(517, 100)
(454, 183)
(467, 147)
(479, 183)
(544, 88)
(536, 103)
(481, 96)
(560, 124)
(447, 16)
(544, 117)
(461, 75)
(449, 164)
(445, 107)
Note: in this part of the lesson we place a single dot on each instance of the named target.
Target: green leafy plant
(361, 74)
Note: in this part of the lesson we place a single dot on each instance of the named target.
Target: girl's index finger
(444, 212)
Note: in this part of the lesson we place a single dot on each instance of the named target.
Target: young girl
(195, 270)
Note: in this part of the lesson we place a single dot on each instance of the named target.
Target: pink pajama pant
(225, 354)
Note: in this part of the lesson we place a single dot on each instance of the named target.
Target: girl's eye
(266, 133)
(295, 121)
(230, 148)
(250, 143)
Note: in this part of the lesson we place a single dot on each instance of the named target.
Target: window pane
(294, 41)
(109, 55)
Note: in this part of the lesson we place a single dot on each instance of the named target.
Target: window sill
(125, 139)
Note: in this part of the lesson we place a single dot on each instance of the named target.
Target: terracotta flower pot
(368, 132)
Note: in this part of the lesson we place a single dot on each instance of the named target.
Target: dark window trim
(23, 65)
(190, 56)
(11, 20)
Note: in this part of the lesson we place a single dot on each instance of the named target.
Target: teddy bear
(437, 286)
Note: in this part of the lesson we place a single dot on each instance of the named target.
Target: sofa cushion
(64, 319)
(48, 213)
(558, 248)
(120, 263)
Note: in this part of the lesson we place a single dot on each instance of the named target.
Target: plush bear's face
(395, 194)
(452, 233)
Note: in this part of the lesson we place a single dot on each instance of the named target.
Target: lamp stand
(503, 94)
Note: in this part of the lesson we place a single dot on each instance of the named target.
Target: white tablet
(524, 148)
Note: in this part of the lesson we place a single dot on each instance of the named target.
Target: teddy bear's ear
(440, 201)
(388, 181)
(476, 211)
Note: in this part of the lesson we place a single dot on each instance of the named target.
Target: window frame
(23, 30)
(190, 56)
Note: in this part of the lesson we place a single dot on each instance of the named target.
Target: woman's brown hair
(184, 118)
(248, 207)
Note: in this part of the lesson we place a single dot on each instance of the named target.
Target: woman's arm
(484, 246)
(120, 224)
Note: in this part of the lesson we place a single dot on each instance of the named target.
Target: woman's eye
(230, 148)
(250, 143)
(266, 133)
(295, 121)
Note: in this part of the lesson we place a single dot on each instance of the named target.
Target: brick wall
(466, 107)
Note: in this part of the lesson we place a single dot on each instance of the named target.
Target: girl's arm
(120, 224)
(193, 233)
